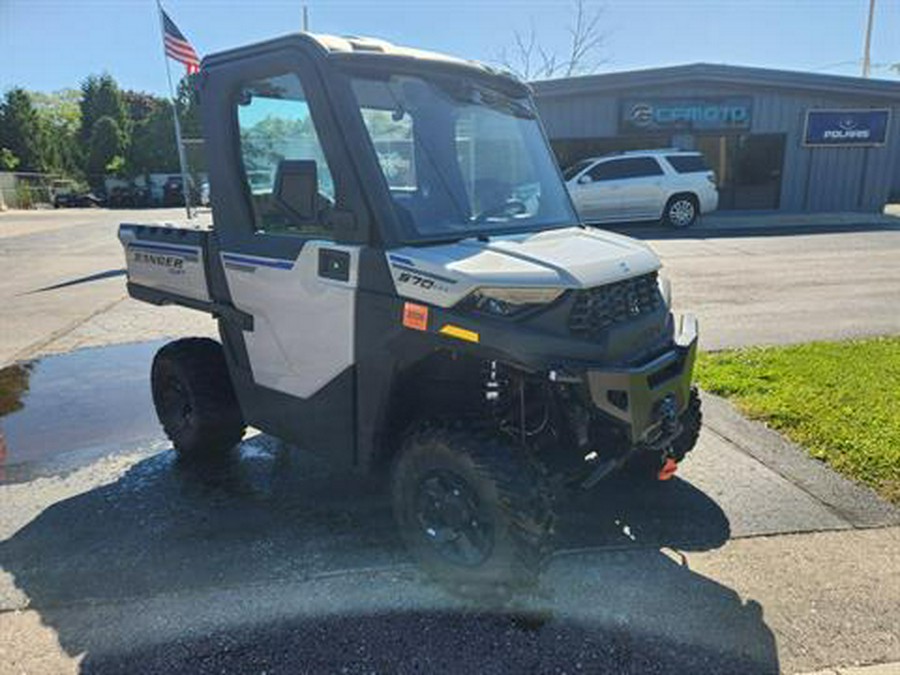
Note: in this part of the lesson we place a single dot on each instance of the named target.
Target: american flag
(177, 46)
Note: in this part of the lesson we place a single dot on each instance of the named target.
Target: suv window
(576, 169)
(276, 124)
(627, 167)
(687, 163)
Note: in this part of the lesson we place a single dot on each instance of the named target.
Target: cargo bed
(169, 265)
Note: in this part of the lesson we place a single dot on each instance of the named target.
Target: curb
(853, 502)
(875, 669)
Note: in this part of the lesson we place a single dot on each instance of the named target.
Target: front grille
(595, 309)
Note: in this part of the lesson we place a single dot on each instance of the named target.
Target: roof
(709, 73)
(351, 46)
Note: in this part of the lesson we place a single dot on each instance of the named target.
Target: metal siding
(816, 179)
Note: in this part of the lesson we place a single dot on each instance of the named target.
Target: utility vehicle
(401, 283)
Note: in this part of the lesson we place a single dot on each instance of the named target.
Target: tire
(194, 398)
(473, 509)
(681, 211)
(646, 465)
(691, 421)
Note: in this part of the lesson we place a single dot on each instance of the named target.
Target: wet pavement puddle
(59, 412)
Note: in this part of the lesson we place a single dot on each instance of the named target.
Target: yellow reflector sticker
(461, 333)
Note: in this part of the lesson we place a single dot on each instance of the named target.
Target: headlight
(509, 301)
(665, 288)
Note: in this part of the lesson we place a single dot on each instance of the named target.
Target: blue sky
(50, 44)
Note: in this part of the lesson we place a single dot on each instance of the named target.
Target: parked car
(129, 197)
(670, 185)
(76, 200)
(173, 194)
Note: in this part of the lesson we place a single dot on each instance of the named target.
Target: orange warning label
(415, 316)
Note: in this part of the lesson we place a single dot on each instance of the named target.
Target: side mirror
(296, 188)
(585, 180)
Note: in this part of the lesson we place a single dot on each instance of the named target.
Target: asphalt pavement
(64, 282)
(754, 559)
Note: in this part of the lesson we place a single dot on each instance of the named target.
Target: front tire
(473, 509)
(194, 398)
(681, 211)
(646, 465)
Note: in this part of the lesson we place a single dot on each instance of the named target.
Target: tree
(529, 59)
(101, 97)
(106, 150)
(152, 147)
(8, 161)
(60, 115)
(21, 132)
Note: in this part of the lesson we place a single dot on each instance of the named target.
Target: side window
(611, 170)
(276, 124)
(627, 167)
(644, 166)
(688, 163)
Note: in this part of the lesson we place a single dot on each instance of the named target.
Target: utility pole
(306, 20)
(867, 57)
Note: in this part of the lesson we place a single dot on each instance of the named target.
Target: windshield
(459, 158)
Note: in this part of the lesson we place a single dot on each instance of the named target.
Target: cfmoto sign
(695, 114)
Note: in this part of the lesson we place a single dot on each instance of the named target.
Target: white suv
(674, 186)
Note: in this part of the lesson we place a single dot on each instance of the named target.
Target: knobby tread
(691, 422)
(524, 500)
(200, 364)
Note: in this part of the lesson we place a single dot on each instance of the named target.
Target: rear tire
(681, 211)
(473, 509)
(194, 398)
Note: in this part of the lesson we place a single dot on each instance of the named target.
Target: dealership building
(777, 140)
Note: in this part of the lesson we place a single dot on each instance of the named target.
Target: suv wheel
(194, 398)
(473, 509)
(681, 211)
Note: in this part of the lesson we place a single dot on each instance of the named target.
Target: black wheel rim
(452, 519)
(175, 403)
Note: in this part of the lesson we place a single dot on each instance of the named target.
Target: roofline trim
(717, 74)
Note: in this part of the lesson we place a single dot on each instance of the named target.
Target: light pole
(867, 60)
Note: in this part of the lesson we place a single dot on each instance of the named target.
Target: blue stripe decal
(165, 248)
(401, 260)
(263, 262)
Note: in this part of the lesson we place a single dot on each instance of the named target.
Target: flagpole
(181, 158)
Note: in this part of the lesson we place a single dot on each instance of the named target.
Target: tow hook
(669, 467)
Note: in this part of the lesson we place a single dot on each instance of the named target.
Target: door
(642, 192)
(290, 276)
(601, 198)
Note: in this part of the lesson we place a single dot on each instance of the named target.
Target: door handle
(334, 264)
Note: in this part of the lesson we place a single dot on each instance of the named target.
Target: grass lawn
(839, 400)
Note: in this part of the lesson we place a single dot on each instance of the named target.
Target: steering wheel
(511, 207)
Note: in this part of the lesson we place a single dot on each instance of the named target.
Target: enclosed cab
(402, 284)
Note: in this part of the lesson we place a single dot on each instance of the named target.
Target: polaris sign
(846, 127)
(693, 114)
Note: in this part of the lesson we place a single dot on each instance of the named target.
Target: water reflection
(60, 412)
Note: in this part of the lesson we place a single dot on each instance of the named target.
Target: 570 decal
(421, 279)
(415, 280)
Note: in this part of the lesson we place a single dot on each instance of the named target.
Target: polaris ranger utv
(401, 282)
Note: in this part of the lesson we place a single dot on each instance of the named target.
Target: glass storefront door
(748, 169)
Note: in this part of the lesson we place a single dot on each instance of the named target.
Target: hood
(443, 274)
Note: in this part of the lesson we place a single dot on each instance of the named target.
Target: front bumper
(650, 397)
